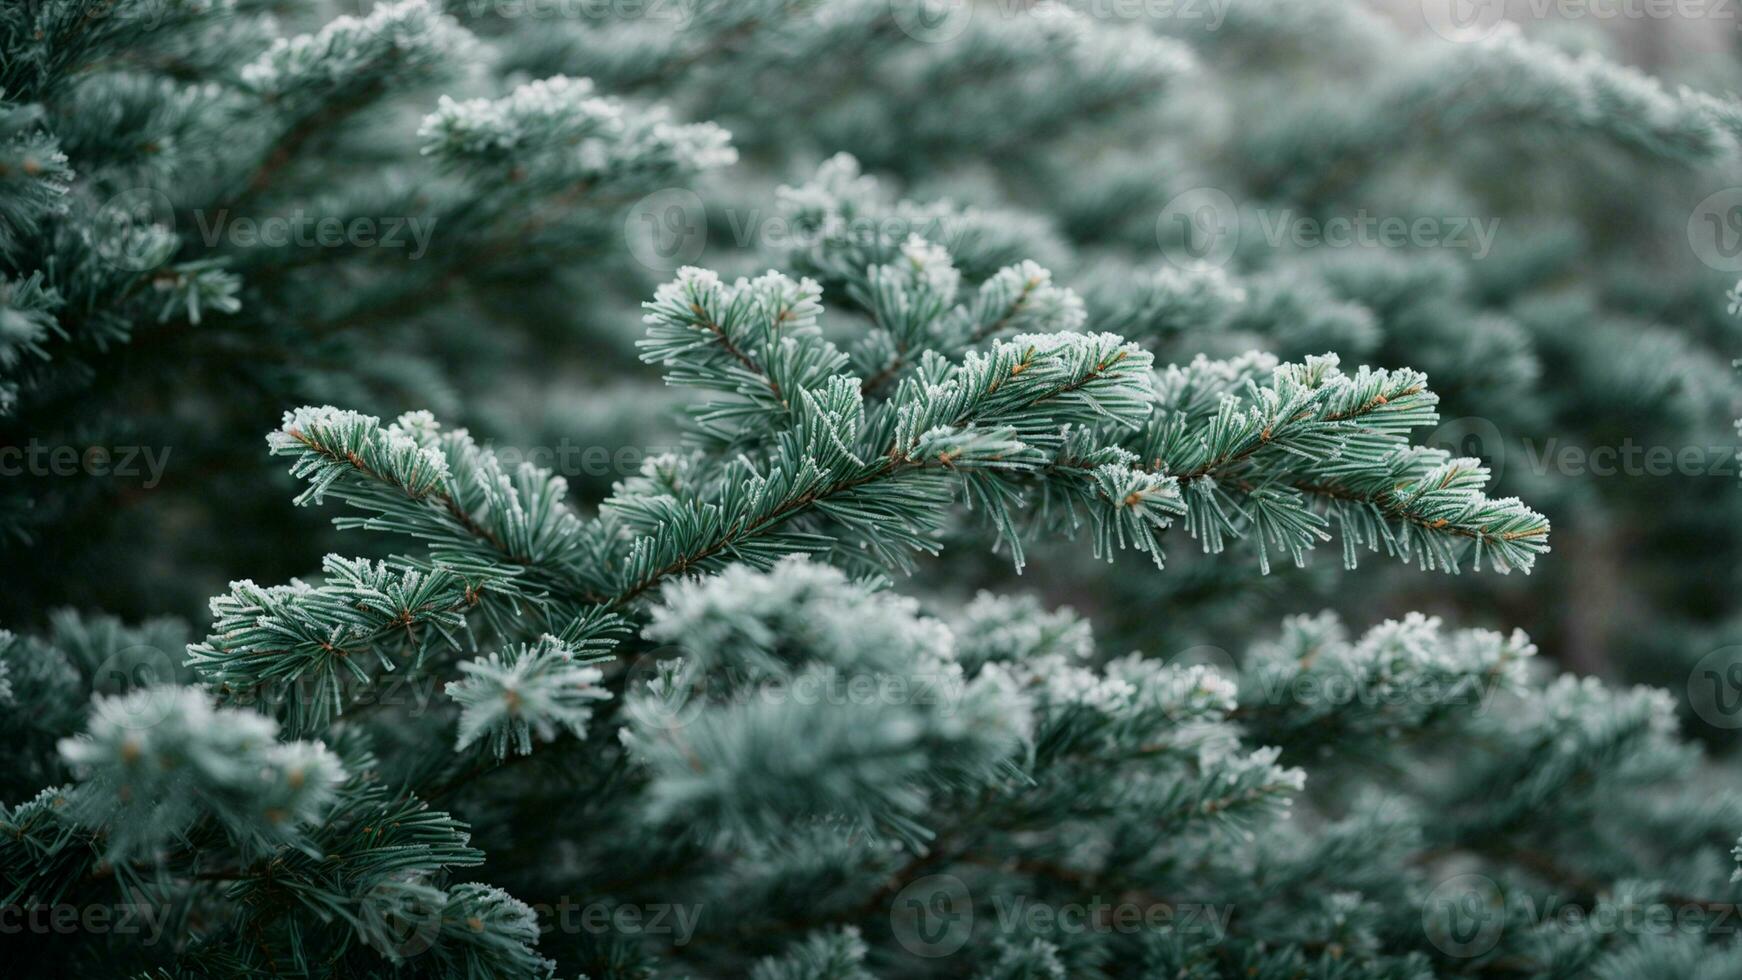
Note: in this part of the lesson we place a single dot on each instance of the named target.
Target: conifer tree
(212, 212)
(1070, 133)
(671, 684)
(995, 289)
(1234, 136)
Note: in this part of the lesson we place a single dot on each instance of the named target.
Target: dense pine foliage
(847, 488)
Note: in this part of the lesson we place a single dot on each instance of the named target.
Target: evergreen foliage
(185, 177)
(975, 290)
